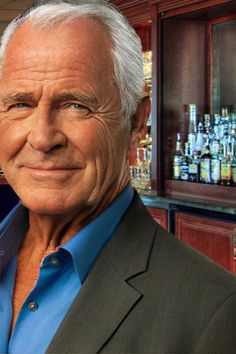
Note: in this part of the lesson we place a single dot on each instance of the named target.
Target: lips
(52, 168)
(47, 175)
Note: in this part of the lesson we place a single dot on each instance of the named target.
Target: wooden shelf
(201, 193)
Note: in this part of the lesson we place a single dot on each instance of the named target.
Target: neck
(52, 230)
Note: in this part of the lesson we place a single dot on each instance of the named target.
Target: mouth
(53, 168)
(58, 172)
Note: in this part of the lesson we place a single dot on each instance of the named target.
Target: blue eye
(19, 105)
(78, 106)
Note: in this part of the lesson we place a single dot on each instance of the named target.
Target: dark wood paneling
(184, 79)
(126, 4)
(212, 8)
(137, 12)
(201, 193)
(144, 33)
(214, 238)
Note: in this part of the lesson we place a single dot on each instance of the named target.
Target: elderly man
(84, 267)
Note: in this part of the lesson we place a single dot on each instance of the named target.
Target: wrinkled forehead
(85, 40)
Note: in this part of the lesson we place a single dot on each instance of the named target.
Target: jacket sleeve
(219, 336)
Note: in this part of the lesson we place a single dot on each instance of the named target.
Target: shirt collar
(84, 247)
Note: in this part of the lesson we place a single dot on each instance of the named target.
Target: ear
(139, 121)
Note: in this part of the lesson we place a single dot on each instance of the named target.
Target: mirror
(223, 87)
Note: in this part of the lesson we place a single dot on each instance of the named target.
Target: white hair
(126, 46)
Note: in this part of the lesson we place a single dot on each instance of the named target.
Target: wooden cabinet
(192, 39)
(214, 238)
(194, 61)
(160, 216)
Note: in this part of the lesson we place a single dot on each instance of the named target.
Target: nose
(45, 133)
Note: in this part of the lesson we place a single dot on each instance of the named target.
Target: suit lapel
(106, 297)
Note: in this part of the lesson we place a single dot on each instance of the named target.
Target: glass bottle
(200, 138)
(146, 169)
(192, 126)
(233, 133)
(226, 166)
(194, 167)
(233, 166)
(178, 158)
(225, 119)
(215, 168)
(205, 166)
(185, 163)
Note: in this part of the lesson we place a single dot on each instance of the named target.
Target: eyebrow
(74, 96)
(17, 96)
(64, 96)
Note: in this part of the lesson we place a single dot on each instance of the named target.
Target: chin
(44, 209)
(47, 204)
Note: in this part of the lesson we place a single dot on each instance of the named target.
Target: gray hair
(126, 46)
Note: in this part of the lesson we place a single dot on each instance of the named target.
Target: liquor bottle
(192, 126)
(226, 166)
(207, 124)
(138, 158)
(146, 169)
(225, 119)
(233, 165)
(205, 166)
(221, 128)
(146, 162)
(200, 138)
(233, 137)
(214, 144)
(178, 158)
(194, 167)
(233, 140)
(215, 168)
(185, 163)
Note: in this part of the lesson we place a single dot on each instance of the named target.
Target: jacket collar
(106, 296)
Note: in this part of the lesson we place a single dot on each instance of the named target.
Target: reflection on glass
(224, 66)
(140, 165)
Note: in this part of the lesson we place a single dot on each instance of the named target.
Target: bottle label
(226, 172)
(177, 172)
(192, 168)
(205, 171)
(215, 170)
(184, 172)
(177, 167)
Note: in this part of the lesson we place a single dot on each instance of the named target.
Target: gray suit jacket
(150, 293)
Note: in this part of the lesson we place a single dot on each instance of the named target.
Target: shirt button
(54, 261)
(32, 306)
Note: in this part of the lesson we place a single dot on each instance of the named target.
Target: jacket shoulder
(179, 261)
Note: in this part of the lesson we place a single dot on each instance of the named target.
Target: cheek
(101, 144)
(13, 137)
(93, 141)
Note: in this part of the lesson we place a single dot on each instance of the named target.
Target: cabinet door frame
(215, 228)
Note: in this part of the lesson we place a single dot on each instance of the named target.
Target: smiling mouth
(55, 171)
(50, 169)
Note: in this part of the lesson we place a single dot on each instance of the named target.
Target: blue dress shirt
(61, 275)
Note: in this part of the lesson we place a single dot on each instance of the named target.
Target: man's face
(64, 145)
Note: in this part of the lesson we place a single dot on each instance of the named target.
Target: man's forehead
(79, 30)
(83, 42)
